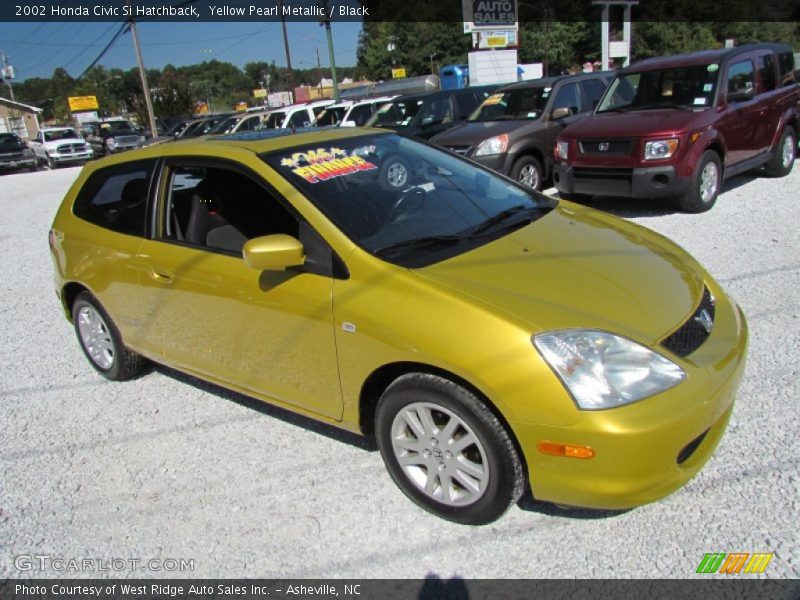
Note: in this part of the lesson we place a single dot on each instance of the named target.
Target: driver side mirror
(561, 113)
(273, 252)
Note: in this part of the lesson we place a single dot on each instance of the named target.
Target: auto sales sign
(497, 14)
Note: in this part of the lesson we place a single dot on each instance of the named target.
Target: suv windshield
(683, 87)
(396, 113)
(60, 134)
(9, 139)
(517, 105)
(406, 202)
(117, 127)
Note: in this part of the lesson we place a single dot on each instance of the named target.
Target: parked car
(111, 136)
(487, 335)
(15, 154)
(332, 114)
(294, 116)
(425, 115)
(201, 126)
(248, 121)
(55, 146)
(678, 126)
(514, 130)
(359, 112)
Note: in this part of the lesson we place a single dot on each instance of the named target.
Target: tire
(415, 426)
(101, 342)
(782, 160)
(33, 168)
(51, 164)
(528, 171)
(394, 174)
(704, 186)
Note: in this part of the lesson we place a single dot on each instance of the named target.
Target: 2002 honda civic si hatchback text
(488, 336)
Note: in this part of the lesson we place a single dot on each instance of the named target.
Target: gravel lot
(170, 467)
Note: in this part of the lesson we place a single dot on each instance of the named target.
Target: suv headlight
(562, 149)
(494, 145)
(660, 149)
(602, 370)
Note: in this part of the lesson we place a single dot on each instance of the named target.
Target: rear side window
(786, 66)
(299, 119)
(766, 72)
(592, 92)
(740, 77)
(361, 114)
(567, 97)
(116, 197)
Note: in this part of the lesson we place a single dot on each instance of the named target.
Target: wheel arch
(530, 150)
(382, 377)
(69, 293)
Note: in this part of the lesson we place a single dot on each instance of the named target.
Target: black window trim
(338, 268)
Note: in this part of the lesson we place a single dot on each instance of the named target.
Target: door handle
(161, 275)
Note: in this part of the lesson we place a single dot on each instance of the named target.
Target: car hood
(634, 123)
(56, 143)
(579, 268)
(470, 134)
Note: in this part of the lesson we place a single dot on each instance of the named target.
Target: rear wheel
(51, 164)
(782, 161)
(446, 450)
(527, 170)
(705, 185)
(101, 342)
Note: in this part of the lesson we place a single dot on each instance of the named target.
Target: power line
(58, 50)
(117, 35)
(94, 43)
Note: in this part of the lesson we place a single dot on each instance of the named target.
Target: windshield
(331, 116)
(117, 127)
(397, 113)
(9, 139)
(60, 134)
(513, 105)
(408, 203)
(684, 87)
(274, 120)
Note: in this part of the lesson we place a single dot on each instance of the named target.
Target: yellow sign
(497, 41)
(260, 93)
(81, 103)
(241, 106)
(398, 73)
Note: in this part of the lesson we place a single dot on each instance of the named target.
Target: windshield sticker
(707, 87)
(699, 101)
(325, 163)
(712, 67)
(493, 99)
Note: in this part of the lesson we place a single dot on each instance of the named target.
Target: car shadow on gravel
(270, 410)
(528, 503)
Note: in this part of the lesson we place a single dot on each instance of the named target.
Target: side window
(299, 119)
(786, 66)
(249, 124)
(221, 209)
(592, 90)
(437, 111)
(567, 97)
(116, 197)
(740, 77)
(466, 103)
(360, 114)
(766, 72)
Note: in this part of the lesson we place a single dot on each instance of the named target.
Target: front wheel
(782, 160)
(704, 186)
(446, 450)
(528, 171)
(101, 341)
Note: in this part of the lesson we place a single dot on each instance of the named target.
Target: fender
(789, 117)
(529, 146)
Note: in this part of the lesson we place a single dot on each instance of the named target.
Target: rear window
(786, 66)
(766, 72)
(116, 197)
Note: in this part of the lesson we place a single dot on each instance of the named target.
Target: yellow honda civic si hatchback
(489, 337)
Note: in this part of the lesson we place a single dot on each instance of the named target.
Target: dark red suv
(677, 126)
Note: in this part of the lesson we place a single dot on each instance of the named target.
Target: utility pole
(326, 20)
(143, 75)
(6, 72)
(290, 75)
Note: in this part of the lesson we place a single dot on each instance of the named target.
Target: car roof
(551, 81)
(700, 58)
(64, 128)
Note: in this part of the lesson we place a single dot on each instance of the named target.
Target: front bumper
(17, 163)
(645, 182)
(648, 449)
(495, 162)
(63, 159)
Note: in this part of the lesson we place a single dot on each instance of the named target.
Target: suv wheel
(705, 185)
(101, 341)
(528, 171)
(782, 160)
(446, 450)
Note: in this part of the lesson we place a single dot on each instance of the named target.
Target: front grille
(691, 335)
(462, 150)
(602, 173)
(605, 147)
(71, 148)
(11, 155)
(690, 448)
(127, 140)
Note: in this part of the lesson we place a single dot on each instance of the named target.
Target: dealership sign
(485, 14)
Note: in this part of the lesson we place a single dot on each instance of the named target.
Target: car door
(739, 120)
(37, 145)
(266, 332)
(567, 96)
(768, 99)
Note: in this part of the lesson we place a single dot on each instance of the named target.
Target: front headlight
(660, 149)
(562, 149)
(602, 370)
(494, 145)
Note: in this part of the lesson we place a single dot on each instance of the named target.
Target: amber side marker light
(566, 450)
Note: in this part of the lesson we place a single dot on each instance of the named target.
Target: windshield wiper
(503, 215)
(421, 242)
